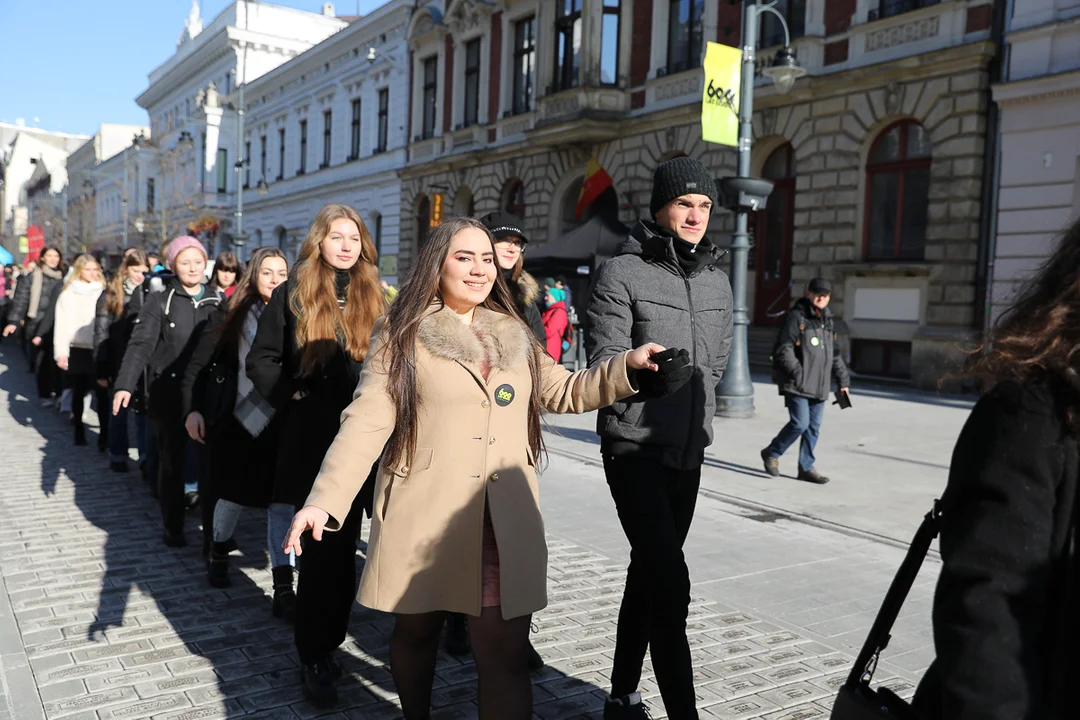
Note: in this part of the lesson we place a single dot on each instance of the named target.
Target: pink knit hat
(178, 245)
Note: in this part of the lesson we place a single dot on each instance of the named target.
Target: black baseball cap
(819, 286)
(503, 225)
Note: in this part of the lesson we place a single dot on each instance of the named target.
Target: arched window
(513, 198)
(773, 238)
(282, 239)
(898, 193)
(464, 206)
(423, 220)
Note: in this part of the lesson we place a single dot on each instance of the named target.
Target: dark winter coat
(20, 304)
(525, 292)
(309, 407)
(643, 295)
(46, 319)
(241, 468)
(1006, 628)
(805, 354)
(112, 333)
(162, 342)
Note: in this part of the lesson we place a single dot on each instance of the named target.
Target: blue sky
(75, 64)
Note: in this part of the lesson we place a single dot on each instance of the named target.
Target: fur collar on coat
(528, 288)
(503, 339)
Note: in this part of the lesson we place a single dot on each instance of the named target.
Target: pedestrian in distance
(117, 309)
(556, 322)
(805, 361)
(226, 273)
(510, 247)
(305, 360)
(451, 398)
(223, 410)
(29, 309)
(165, 335)
(664, 285)
(1006, 635)
(73, 344)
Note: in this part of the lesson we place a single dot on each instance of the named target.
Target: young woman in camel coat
(450, 397)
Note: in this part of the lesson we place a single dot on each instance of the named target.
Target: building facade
(329, 126)
(877, 156)
(1039, 101)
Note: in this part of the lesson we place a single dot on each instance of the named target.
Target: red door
(773, 233)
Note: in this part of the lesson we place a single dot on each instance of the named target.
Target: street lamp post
(745, 194)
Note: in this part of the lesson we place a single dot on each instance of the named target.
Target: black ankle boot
(318, 684)
(217, 566)
(284, 597)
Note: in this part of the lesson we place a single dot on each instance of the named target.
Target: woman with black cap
(510, 244)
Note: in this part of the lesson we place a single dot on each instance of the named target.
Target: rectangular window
(227, 86)
(567, 43)
(262, 157)
(150, 195)
(377, 235)
(431, 79)
(772, 30)
(685, 23)
(303, 148)
(202, 164)
(472, 82)
(222, 170)
(609, 43)
(524, 65)
(892, 8)
(354, 142)
(384, 119)
(281, 154)
(326, 137)
(247, 165)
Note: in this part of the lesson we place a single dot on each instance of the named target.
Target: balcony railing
(892, 8)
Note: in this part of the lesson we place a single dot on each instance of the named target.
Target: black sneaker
(813, 476)
(772, 465)
(629, 707)
(318, 684)
(457, 635)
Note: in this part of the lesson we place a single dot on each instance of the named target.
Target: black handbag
(856, 699)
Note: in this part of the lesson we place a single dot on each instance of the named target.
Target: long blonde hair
(115, 299)
(77, 267)
(321, 324)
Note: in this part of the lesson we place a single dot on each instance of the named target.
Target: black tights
(498, 646)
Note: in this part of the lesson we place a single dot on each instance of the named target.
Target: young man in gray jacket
(664, 285)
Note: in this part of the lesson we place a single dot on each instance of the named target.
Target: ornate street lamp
(744, 194)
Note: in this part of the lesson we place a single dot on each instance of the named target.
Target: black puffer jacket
(166, 333)
(644, 294)
(112, 333)
(805, 353)
(20, 304)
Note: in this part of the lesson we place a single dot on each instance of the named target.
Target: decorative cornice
(1040, 89)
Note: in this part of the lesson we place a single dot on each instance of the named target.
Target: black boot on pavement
(772, 465)
(629, 707)
(80, 433)
(535, 661)
(813, 476)
(457, 635)
(284, 595)
(318, 683)
(175, 539)
(217, 566)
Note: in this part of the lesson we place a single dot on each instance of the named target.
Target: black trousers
(80, 378)
(49, 376)
(172, 455)
(655, 506)
(326, 589)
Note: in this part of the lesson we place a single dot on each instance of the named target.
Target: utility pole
(239, 238)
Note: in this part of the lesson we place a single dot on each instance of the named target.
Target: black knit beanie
(677, 177)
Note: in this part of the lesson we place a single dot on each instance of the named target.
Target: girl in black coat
(223, 410)
(117, 309)
(1005, 611)
(510, 243)
(306, 360)
(165, 335)
(30, 308)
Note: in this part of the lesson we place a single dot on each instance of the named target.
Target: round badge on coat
(504, 395)
(814, 341)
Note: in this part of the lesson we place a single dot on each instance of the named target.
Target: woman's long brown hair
(1038, 338)
(417, 295)
(245, 297)
(320, 323)
(114, 301)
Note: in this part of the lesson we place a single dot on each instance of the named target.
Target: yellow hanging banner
(720, 100)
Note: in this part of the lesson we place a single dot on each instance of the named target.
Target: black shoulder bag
(856, 699)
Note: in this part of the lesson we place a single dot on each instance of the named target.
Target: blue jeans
(278, 519)
(120, 439)
(805, 423)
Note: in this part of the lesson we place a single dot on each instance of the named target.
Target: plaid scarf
(252, 409)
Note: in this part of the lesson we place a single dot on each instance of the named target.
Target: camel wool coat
(425, 547)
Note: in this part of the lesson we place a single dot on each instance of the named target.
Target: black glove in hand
(674, 371)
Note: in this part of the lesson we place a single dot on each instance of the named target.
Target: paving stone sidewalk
(98, 620)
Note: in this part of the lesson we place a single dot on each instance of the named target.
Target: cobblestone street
(98, 620)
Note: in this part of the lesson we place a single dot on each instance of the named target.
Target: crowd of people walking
(316, 394)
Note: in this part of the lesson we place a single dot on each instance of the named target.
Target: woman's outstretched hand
(309, 518)
(641, 358)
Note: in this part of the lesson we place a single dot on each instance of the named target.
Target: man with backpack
(804, 363)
